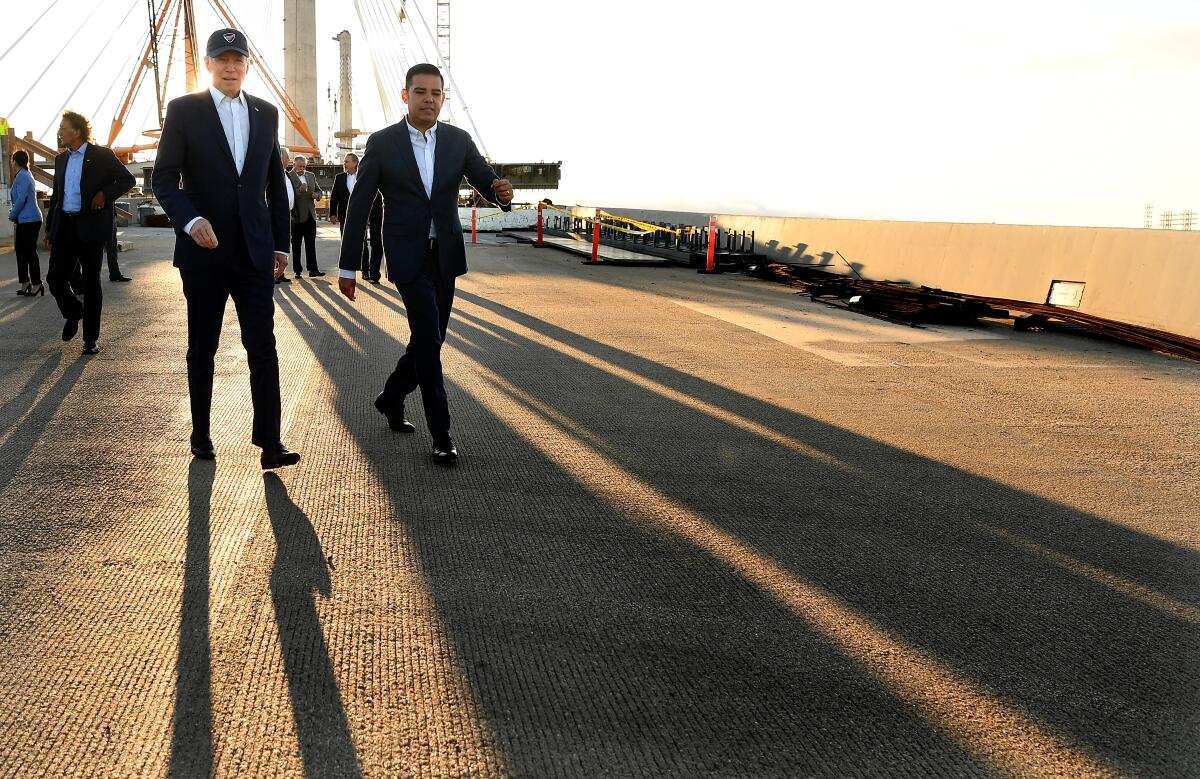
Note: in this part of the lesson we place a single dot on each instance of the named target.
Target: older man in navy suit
(219, 178)
(417, 165)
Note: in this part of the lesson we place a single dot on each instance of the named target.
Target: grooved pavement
(701, 527)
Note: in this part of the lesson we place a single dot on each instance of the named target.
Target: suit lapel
(440, 153)
(210, 110)
(252, 119)
(407, 154)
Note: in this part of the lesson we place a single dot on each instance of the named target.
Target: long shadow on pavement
(299, 573)
(600, 647)
(191, 735)
(946, 559)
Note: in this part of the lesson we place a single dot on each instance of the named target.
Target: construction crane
(185, 18)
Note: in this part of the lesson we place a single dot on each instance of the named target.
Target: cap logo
(229, 36)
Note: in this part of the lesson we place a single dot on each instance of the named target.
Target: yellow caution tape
(646, 226)
(502, 213)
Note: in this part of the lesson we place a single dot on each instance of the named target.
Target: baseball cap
(225, 40)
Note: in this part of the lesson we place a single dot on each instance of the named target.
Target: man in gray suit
(304, 217)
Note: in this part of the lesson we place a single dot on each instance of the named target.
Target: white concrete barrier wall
(496, 219)
(1142, 277)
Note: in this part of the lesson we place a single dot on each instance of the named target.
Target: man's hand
(503, 191)
(280, 263)
(98, 201)
(347, 287)
(203, 235)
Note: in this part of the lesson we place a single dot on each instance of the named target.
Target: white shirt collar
(414, 133)
(218, 97)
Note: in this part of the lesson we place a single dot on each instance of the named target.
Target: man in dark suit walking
(231, 233)
(87, 179)
(304, 217)
(339, 200)
(417, 165)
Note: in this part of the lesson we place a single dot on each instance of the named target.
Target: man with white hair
(304, 217)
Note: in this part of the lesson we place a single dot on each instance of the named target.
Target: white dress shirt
(291, 191)
(350, 179)
(424, 145)
(234, 113)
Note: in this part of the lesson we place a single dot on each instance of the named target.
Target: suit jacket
(339, 201)
(389, 167)
(24, 199)
(195, 175)
(304, 209)
(102, 172)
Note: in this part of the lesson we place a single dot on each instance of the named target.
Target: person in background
(286, 159)
(27, 218)
(304, 217)
(111, 249)
(339, 199)
(88, 179)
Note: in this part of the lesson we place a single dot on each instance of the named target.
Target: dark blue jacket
(195, 175)
(389, 167)
(102, 172)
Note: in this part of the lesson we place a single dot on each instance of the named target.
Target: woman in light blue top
(28, 219)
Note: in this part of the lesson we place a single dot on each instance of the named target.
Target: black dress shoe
(278, 456)
(283, 280)
(395, 419)
(202, 449)
(444, 452)
(90, 347)
(119, 278)
(318, 273)
(71, 328)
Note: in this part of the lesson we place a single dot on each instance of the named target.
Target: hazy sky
(1053, 112)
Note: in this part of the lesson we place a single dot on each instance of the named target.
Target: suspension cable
(27, 30)
(449, 75)
(54, 119)
(66, 45)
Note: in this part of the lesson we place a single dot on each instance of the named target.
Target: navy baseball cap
(225, 40)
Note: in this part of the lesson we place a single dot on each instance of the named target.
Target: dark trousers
(428, 301)
(304, 234)
(111, 249)
(373, 261)
(206, 291)
(25, 240)
(366, 253)
(66, 254)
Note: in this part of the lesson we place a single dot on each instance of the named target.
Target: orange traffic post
(539, 238)
(712, 245)
(472, 225)
(596, 237)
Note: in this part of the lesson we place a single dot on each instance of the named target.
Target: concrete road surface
(701, 527)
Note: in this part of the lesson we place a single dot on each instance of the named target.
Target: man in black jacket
(423, 239)
(339, 200)
(87, 179)
(219, 178)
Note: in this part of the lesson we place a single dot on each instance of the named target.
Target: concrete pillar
(300, 63)
(345, 99)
